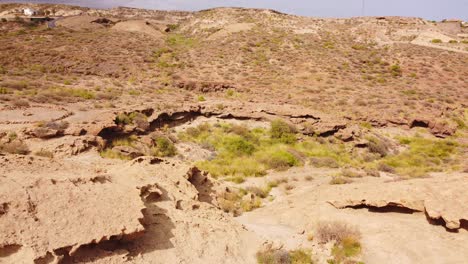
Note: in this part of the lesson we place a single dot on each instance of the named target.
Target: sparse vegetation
(238, 201)
(14, 147)
(345, 238)
(243, 151)
(337, 180)
(45, 154)
(423, 156)
(164, 147)
(436, 41)
(281, 256)
(283, 131)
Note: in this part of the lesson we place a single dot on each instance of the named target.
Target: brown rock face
(439, 129)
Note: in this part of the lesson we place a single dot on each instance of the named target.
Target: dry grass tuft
(335, 231)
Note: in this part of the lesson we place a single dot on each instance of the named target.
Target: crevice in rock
(464, 224)
(175, 119)
(331, 132)
(419, 123)
(389, 208)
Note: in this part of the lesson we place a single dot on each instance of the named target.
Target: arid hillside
(231, 135)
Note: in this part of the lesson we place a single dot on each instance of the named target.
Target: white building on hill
(29, 12)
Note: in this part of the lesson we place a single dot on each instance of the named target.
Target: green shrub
(238, 166)
(130, 118)
(323, 154)
(301, 256)
(236, 145)
(230, 92)
(110, 154)
(346, 248)
(201, 98)
(172, 27)
(436, 41)
(423, 156)
(282, 256)
(3, 90)
(282, 131)
(395, 70)
(178, 40)
(124, 141)
(452, 41)
(279, 159)
(164, 147)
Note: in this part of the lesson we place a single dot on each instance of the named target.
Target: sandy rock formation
(140, 212)
(441, 198)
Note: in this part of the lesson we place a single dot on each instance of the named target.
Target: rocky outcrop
(439, 129)
(204, 87)
(55, 217)
(442, 199)
(137, 212)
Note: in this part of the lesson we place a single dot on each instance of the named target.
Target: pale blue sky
(430, 9)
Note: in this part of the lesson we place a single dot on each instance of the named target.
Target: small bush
(321, 162)
(230, 93)
(164, 147)
(350, 173)
(378, 146)
(422, 156)
(236, 145)
(301, 256)
(273, 257)
(282, 131)
(14, 147)
(386, 168)
(282, 256)
(62, 125)
(232, 201)
(452, 41)
(340, 180)
(279, 160)
(346, 248)
(335, 231)
(20, 103)
(396, 70)
(436, 41)
(3, 90)
(45, 154)
(201, 98)
(127, 119)
(110, 154)
(260, 192)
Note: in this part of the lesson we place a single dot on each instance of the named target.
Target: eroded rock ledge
(112, 213)
(443, 200)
